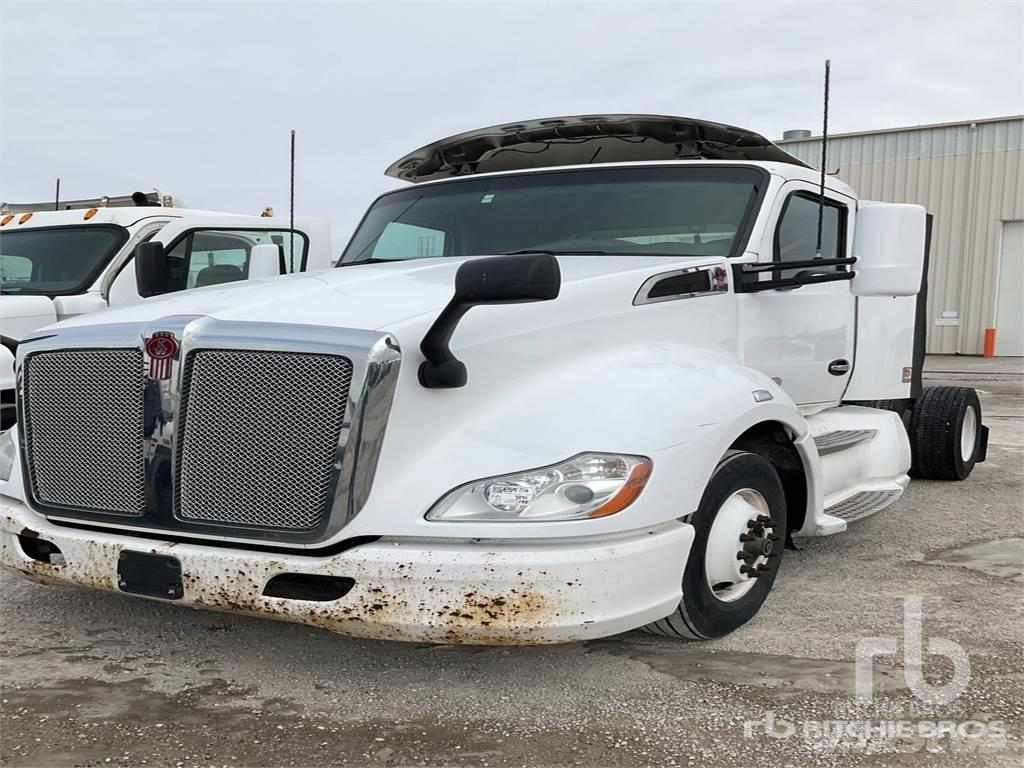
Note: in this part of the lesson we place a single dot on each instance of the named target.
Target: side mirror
(493, 280)
(266, 260)
(889, 245)
(152, 275)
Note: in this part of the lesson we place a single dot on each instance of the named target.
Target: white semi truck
(584, 375)
(59, 264)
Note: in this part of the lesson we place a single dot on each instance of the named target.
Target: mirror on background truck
(266, 260)
(152, 275)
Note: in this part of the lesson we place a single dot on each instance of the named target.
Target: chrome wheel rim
(741, 543)
(968, 434)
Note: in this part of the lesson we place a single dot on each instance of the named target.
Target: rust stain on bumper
(519, 617)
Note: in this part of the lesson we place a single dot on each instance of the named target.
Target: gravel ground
(94, 679)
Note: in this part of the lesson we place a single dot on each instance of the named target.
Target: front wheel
(740, 531)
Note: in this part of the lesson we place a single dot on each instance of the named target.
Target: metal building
(970, 176)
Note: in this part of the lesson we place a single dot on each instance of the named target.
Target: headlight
(586, 486)
(6, 454)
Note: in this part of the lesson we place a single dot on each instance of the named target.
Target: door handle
(839, 367)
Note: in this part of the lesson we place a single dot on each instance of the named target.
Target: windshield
(671, 211)
(56, 261)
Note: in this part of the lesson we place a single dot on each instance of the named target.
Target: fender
(6, 366)
(680, 405)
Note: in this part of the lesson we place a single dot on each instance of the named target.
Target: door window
(211, 257)
(796, 238)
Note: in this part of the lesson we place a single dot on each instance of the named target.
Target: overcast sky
(197, 98)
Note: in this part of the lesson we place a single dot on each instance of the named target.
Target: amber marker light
(628, 493)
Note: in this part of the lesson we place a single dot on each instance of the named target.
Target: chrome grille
(83, 429)
(258, 437)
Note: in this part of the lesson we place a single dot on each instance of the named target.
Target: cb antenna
(824, 158)
(291, 211)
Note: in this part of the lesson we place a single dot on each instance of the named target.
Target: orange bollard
(990, 342)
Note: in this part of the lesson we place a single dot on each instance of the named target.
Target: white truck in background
(60, 264)
(583, 375)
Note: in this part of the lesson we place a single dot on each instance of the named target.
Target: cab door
(213, 249)
(798, 322)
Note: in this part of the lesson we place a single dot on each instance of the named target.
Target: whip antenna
(56, 196)
(824, 158)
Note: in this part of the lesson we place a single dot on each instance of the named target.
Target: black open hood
(581, 140)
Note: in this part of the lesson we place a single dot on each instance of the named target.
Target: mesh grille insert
(83, 429)
(258, 436)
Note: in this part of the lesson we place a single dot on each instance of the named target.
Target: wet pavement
(97, 679)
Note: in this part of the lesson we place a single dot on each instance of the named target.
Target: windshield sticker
(488, 198)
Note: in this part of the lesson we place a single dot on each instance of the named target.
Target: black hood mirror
(492, 280)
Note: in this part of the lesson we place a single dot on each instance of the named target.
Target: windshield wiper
(370, 261)
(9, 291)
(555, 253)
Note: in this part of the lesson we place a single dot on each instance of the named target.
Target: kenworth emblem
(161, 348)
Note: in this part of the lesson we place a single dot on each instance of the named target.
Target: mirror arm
(441, 369)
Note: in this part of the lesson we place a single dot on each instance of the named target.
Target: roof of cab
(122, 215)
(583, 139)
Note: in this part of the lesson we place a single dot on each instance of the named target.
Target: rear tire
(945, 433)
(740, 532)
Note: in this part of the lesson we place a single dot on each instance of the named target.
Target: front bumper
(445, 591)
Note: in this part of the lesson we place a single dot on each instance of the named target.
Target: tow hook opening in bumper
(308, 586)
(41, 550)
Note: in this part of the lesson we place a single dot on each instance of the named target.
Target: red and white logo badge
(162, 348)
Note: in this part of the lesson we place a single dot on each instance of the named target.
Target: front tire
(946, 433)
(740, 531)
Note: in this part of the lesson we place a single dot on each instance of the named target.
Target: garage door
(1010, 299)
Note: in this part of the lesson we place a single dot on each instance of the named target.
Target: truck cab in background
(60, 264)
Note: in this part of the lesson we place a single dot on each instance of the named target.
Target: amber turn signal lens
(628, 493)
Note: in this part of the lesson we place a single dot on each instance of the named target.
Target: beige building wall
(970, 176)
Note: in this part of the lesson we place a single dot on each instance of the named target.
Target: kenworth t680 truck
(582, 375)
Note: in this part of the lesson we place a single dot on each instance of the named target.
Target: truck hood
(382, 296)
(20, 315)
